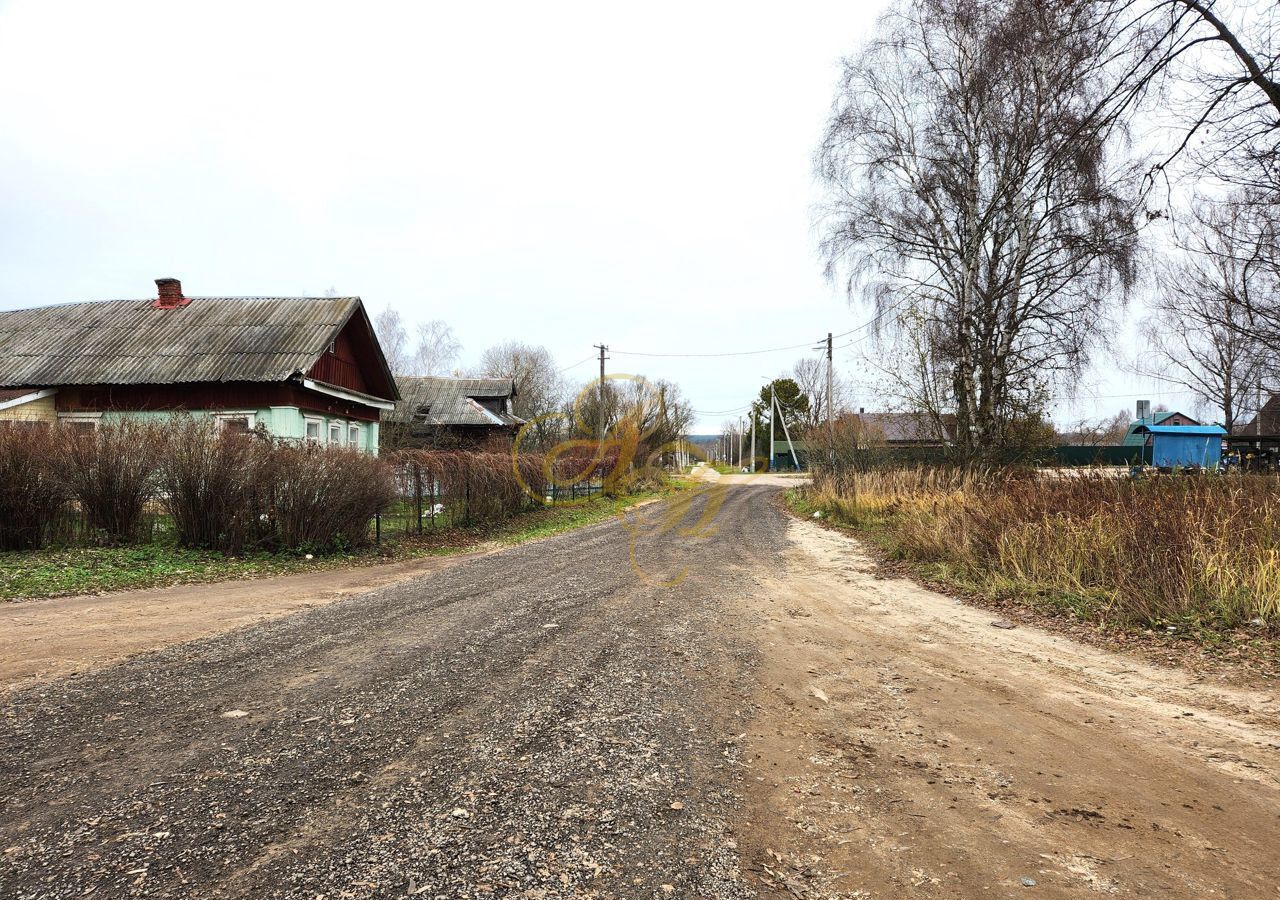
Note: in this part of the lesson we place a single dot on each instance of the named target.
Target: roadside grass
(1187, 557)
(31, 575)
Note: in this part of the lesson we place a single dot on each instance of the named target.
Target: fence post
(417, 493)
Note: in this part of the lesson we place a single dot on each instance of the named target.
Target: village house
(901, 429)
(305, 368)
(435, 411)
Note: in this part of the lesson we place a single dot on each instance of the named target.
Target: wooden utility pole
(831, 405)
(773, 405)
(600, 413)
(753, 438)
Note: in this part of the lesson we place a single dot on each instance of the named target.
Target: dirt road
(683, 705)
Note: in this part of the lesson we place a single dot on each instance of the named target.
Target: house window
(80, 421)
(235, 422)
(335, 433)
(353, 435)
(314, 430)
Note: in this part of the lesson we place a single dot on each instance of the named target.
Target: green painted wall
(288, 422)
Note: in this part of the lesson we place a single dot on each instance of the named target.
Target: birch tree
(976, 194)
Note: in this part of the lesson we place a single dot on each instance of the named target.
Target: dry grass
(1202, 550)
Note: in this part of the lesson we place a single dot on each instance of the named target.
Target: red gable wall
(353, 363)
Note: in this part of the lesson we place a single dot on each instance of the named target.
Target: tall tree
(793, 404)
(810, 374)
(1200, 333)
(394, 340)
(1215, 65)
(540, 389)
(977, 203)
(437, 350)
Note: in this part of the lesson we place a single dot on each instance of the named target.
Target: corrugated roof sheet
(434, 400)
(131, 342)
(1196, 430)
(900, 427)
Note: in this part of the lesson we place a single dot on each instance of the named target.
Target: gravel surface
(543, 722)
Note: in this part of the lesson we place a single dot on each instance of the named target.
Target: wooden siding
(354, 363)
(42, 410)
(207, 396)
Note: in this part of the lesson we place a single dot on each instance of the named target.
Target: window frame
(92, 419)
(307, 422)
(250, 417)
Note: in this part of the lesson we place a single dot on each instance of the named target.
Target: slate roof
(435, 400)
(906, 428)
(132, 342)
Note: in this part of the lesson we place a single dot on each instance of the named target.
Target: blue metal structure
(1172, 446)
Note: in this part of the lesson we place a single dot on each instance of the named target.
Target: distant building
(899, 429)
(1133, 439)
(306, 368)
(444, 412)
(1270, 420)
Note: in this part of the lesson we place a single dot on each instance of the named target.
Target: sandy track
(43, 639)
(908, 748)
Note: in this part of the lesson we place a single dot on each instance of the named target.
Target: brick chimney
(170, 294)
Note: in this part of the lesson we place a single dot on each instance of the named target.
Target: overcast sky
(562, 174)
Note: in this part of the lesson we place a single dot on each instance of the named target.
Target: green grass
(91, 570)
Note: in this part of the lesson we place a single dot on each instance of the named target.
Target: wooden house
(307, 368)
(453, 412)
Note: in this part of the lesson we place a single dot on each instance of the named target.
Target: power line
(579, 362)
(803, 346)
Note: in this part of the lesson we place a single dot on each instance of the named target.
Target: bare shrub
(111, 472)
(212, 485)
(324, 498)
(477, 486)
(31, 494)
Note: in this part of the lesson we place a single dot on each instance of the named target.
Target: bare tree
(1200, 334)
(394, 340)
(1108, 431)
(973, 193)
(540, 389)
(437, 349)
(1214, 63)
(810, 374)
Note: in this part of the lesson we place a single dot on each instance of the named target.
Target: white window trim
(220, 418)
(359, 431)
(318, 421)
(340, 426)
(93, 418)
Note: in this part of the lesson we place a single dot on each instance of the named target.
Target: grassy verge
(1173, 562)
(90, 570)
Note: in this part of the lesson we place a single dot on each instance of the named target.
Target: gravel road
(545, 722)
(708, 700)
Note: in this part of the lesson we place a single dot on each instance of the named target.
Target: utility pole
(600, 424)
(831, 406)
(773, 405)
(753, 438)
